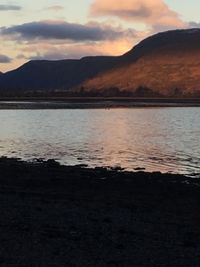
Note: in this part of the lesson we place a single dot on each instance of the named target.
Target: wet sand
(55, 215)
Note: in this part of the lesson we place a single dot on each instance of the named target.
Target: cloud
(61, 30)
(51, 55)
(55, 8)
(5, 59)
(40, 44)
(49, 51)
(10, 8)
(154, 13)
(193, 24)
(21, 56)
(56, 50)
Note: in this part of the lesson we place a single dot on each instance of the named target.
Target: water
(157, 139)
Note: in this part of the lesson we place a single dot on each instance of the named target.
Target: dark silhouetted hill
(165, 64)
(54, 75)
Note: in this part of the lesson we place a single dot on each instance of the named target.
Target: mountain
(54, 75)
(166, 64)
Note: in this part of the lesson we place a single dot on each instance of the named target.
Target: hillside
(54, 75)
(166, 64)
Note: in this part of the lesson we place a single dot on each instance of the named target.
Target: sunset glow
(56, 30)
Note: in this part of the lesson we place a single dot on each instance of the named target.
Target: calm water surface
(157, 139)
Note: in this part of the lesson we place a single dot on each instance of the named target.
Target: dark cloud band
(64, 30)
(5, 59)
(10, 8)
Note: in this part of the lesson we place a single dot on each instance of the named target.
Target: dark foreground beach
(55, 215)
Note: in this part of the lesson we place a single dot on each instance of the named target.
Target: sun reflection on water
(157, 139)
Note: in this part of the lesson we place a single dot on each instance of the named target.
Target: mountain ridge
(54, 75)
(165, 64)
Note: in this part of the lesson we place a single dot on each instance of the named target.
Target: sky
(53, 29)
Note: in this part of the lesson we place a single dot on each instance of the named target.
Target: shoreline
(54, 215)
(93, 103)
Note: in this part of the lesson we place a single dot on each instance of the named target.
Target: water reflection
(157, 139)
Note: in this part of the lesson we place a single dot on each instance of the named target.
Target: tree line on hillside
(110, 92)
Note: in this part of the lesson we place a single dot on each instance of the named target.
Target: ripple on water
(157, 139)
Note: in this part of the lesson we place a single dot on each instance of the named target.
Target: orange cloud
(155, 13)
(64, 51)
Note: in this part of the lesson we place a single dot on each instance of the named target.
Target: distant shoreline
(92, 102)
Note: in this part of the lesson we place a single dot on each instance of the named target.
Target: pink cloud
(154, 13)
(65, 51)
